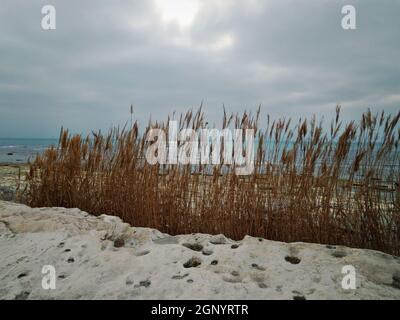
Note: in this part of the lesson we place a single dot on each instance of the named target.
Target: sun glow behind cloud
(164, 55)
(181, 12)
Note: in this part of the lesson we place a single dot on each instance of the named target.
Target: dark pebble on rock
(192, 263)
(193, 246)
(292, 260)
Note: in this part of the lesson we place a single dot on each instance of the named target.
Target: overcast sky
(290, 56)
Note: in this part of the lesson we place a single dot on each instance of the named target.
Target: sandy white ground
(101, 257)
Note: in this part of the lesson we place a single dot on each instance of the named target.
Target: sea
(20, 150)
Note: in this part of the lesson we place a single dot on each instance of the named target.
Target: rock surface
(104, 258)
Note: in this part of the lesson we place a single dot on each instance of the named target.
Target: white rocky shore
(104, 258)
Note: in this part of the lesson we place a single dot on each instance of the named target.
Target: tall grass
(336, 186)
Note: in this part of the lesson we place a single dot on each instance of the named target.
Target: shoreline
(7, 164)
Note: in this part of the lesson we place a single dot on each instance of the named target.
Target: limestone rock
(104, 258)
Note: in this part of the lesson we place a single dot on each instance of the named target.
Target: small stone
(118, 243)
(292, 260)
(214, 262)
(145, 283)
(207, 252)
(193, 246)
(192, 263)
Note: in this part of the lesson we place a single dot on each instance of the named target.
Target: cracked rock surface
(104, 258)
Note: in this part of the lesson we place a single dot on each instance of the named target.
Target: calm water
(20, 150)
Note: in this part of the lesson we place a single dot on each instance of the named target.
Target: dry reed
(335, 187)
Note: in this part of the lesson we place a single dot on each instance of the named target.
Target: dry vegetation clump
(337, 186)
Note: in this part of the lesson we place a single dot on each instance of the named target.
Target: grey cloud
(290, 56)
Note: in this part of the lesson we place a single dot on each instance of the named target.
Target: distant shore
(20, 150)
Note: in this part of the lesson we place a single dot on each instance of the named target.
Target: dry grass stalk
(340, 187)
